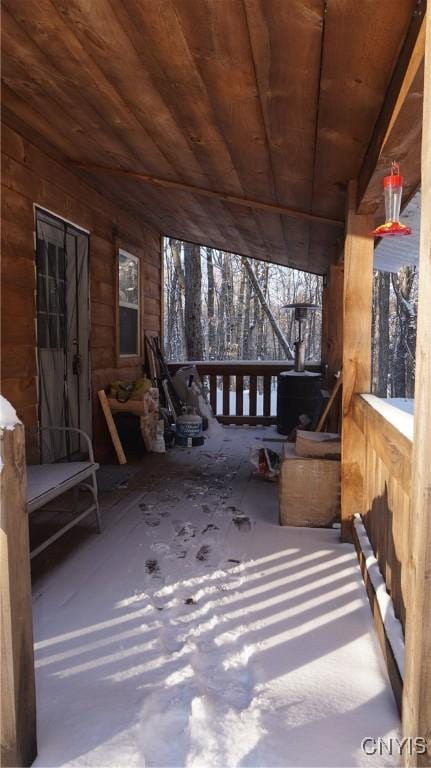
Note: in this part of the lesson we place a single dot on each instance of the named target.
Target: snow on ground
(196, 632)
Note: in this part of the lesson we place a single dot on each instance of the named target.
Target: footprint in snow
(144, 507)
(210, 527)
(152, 522)
(184, 530)
(152, 568)
(203, 553)
(242, 522)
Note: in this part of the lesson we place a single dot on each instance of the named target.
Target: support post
(357, 307)
(332, 336)
(417, 679)
(18, 715)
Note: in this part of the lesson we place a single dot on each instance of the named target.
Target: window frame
(129, 356)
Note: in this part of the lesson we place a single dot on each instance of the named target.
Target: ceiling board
(219, 94)
(362, 41)
(404, 146)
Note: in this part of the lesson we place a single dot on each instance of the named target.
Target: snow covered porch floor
(197, 632)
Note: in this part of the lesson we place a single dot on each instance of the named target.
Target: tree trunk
(287, 349)
(240, 312)
(210, 306)
(247, 329)
(382, 328)
(176, 255)
(193, 301)
(404, 350)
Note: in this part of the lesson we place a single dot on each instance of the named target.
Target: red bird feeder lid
(394, 180)
(393, 186)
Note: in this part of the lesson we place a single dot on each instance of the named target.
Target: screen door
(63, 323)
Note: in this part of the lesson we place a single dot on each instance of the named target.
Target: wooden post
(358, 287)
(417, 679)
(332, 334)
(18, 711)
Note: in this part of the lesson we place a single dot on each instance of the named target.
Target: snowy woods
(394, 332)
(220, 306)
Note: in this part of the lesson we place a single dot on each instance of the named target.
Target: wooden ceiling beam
(405, 72)
(248, 202)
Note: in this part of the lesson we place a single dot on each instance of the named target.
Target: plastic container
(189, 428)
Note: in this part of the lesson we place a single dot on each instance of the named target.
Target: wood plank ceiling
(274, 100)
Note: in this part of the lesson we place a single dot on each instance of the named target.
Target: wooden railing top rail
(400, 419)
(388, 430)
(244, 367)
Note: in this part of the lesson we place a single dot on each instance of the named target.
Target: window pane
(128, 280)
(61, 263)
(128, 331)
(53, 331)
(41, 294)
(52, 259)
(53, 295)
(42, 331)
(61, 337)
(40, 256)
(60, 294)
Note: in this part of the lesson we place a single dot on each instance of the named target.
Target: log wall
(32, 174)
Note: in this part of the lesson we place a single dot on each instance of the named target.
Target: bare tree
(241, 314)
(210, 306)
(403, 360)
(193, 301)
(287, 349)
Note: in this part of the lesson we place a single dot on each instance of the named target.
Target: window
(128, 296)
(50, 295)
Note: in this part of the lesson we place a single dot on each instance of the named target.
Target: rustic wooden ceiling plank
(285, 39)
(43, 157)
(285, 43)
(211, 124)
(217, 37)
(404, 145)
(362, 43)
(43, 76)
(38, 128)
(34, 98)
(98, 28)
(85, 144)
(210, 193)
(403, 80)
(74, 66)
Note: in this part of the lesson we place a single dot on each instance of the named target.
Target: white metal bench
(46, 482)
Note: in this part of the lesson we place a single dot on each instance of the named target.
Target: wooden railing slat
(213, 393)
(226, 394)
(267, 395)
(239, 399)
(253, 394)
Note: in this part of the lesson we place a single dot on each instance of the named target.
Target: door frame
(82, 230)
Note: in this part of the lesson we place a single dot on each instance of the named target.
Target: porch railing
(387, 451)
(241, 391)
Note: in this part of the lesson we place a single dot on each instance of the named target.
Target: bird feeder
(393, 186)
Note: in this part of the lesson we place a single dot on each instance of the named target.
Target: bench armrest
(73, 429)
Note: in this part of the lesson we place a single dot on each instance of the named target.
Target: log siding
(32, 175)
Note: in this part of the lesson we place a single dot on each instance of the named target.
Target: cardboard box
(324, 445)
(309, 490)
